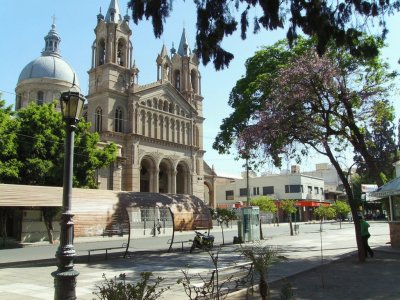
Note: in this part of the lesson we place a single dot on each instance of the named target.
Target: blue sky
(26, 22)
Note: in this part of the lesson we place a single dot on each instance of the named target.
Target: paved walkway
(25, 272)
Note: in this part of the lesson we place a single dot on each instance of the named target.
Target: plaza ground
(25, 272)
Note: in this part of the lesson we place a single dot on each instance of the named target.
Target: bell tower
(110, 73)
(185, 75)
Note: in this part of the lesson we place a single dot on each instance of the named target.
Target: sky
(26, 22)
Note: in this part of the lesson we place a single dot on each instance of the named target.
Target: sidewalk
(25, 272)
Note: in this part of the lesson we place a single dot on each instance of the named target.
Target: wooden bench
(106, 249)
(224, 280)
(178, 242)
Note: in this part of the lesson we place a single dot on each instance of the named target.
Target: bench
(106, 249)
(114, 230)
(224, 280)
(178, 242)
(296, 229)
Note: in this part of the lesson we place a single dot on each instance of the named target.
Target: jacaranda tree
(302, 101)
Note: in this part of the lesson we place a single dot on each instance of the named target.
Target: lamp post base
(64, 284)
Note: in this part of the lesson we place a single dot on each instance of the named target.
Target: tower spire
(183, 49)
(113, 13)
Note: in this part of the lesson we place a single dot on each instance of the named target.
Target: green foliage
(325, 212)
(223, 214)
(288, 206)
(265, 204)
(117, 289)
(40, 145)
(37, 135)
(295, 102)
(340, 22)
(262, 257)
(341, 208)
(9, 165)
(89, 156)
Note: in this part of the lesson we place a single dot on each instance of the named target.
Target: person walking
(365, 235)
(158, 226)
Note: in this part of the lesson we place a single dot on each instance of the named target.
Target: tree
(9, 166)
(325, 212)
(302, 102)
(262, 257)
(265, 204)
(289, 207)
(39, 143)
(222, 215)
(381, 139)
(41, 136)
(341, 22)
(341, 209)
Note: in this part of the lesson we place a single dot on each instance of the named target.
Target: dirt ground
(377, 278)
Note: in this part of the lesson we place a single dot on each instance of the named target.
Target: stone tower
(157, 126)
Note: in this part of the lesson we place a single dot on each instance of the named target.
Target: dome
(51, 67)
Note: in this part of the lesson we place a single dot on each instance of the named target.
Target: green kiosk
(249, 224)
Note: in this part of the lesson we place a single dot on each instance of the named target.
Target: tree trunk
(222, 229)
(291, 225)
(261, 231)
(350, 197)
(49, 228)
(264, 288)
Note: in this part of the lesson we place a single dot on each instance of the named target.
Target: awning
(392, 188)
(307, 203)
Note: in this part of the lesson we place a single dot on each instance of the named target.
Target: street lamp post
(65, 276)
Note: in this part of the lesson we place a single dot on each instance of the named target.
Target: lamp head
(72, 105)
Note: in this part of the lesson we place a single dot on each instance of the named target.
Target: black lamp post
(65, 276)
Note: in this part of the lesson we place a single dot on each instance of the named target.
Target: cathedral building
(158, 127)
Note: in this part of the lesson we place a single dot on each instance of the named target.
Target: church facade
(158, 127)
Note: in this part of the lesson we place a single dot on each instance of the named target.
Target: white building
(308, 190)
(281, 186)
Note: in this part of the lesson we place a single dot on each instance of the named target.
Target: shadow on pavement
(346, 278)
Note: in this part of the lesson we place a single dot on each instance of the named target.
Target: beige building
(158, 127)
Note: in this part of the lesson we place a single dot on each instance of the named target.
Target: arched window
(40, 98)
(194, 80)
(121, 52)
(101, 54)
(118, 121)
(98, 120)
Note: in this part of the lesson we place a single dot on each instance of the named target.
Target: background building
(309, 189)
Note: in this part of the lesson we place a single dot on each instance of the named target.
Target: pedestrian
(158, 226)
(365, 235)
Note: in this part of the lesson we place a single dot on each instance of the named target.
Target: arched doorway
(182, 179)
(209, 193)
(146, 177)
(164, 176)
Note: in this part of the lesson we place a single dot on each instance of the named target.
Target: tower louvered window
(118, 122)
(98, 119)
